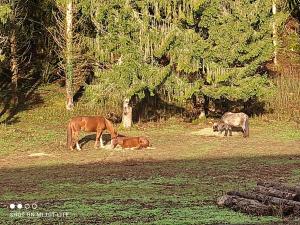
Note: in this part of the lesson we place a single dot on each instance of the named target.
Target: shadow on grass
(222, 170)
(92, 137)
(176, 191)
(27, 98)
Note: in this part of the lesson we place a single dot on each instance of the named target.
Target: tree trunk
(14, 69)
(205, 106)
(275, 36)
(282, 206)
(69, 55)
(245, 205)
(275, 193)
(202, 115)
(267, 198)
(200, 105)
(292, 192)
(14, 66)
(278, 186)
(127, 114)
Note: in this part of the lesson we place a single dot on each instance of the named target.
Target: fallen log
(280, 187)
(267, 198)
(271, 191)
(284, 207)
(245, 205)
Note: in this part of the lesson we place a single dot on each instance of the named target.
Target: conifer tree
(181, 48)
(240, 42)
(5, 10)
(136, 50)
(15, 50)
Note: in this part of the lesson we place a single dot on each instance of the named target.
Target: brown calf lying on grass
(130, 142)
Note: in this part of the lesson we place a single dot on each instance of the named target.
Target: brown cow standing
(88, 124)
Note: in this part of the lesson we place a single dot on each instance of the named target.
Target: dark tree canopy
(175, 49)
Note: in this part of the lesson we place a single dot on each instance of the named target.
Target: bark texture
(127, 114)
(266, 198)
(69, 55)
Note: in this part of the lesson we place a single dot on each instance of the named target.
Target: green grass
(295, 176)
(181, 200)
(284, 131)
(130, 201)
(177, 182)
(296, 173)
(135, 213)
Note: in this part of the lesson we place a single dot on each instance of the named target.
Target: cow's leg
(72, 144)
(98, 135)
(230, 130)
(220, 130)
(77, 140)
(70, 132)
(244, 129)
(226, 132)
(244, 132)
(78, 146)
(101, 141)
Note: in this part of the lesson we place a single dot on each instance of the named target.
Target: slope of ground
(176, 182)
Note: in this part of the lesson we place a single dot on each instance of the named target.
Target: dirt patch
(208, 132)
(39, 154)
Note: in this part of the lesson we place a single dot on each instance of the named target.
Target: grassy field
(176, 182)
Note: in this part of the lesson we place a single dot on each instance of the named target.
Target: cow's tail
(69, 136)
(246, 127)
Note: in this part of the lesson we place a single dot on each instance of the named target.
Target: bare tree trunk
(200, 104)
(202, 115)
(127, 114)
(250, 206)
(267, 198)
(275, 35)
(204, 110)
(14, 66)
(69, 55)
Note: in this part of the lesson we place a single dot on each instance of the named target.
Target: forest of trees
(124, 52)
